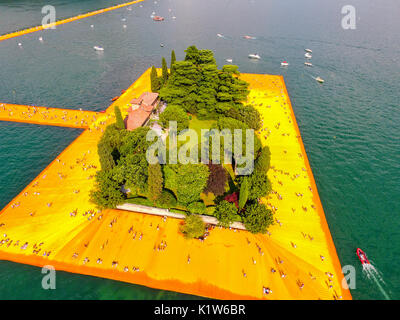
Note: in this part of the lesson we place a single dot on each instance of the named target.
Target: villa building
(140, 110)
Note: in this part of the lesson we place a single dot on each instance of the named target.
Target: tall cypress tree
(155, 81)
(118, 116)
(173, 59)
(164, 71)
(154, 181)
(244, 193)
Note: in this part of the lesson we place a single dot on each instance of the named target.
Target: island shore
(55, 223)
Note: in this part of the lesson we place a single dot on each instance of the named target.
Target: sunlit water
(349, 124)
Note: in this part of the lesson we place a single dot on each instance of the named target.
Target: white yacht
(97, 48)
(320, 80)
(308, 50)
(308, 64)
(254, 56)
(308, 55)
(284, 64)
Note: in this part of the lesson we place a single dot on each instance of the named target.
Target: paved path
(167, 213)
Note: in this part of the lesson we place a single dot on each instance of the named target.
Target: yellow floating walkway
(81, 16)
(52, 222)
(48, 116)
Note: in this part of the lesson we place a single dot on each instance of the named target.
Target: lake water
(349, 125)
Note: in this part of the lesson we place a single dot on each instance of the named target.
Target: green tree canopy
(174, 113)
(191, 181)
(244, 193)
(165, 73)
(193, 227)
(154, 80)
(154, 181)
(107, 191)
(118, 117)
(257, 218)
(226, 212)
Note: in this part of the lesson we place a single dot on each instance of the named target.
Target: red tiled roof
(136, 118)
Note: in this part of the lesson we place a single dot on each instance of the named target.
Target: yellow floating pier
(81, 16)
(48, 116)
(52, 222)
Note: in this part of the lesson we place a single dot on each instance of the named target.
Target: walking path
(166, 213)
(48, 116)
(52, 221)
(81, 16)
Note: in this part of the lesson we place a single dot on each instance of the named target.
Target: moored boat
(97, 48)
(308, 55)
(158, 18)
(254, 56)
(308, 50)
(320, 80)
(284, 64)
(308, 64)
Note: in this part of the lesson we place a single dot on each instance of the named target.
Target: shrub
(197, 207)
(166, 199)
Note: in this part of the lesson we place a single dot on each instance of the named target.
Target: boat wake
(374, 275)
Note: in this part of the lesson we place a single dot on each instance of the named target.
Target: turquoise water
(349, 125)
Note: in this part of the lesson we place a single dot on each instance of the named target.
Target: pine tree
(164, 71)
(119, 121)
(173, 59)
(155, 81)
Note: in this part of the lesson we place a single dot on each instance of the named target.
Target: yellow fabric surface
(53, 214)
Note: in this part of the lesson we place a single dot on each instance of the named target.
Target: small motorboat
(320, 80)
(92, 26)
(173, 17)
(308, 50)
(229, 60)
(115, 98)
(249, 37)
(284, 64)
(308, 64)
(254, 56)
(158, 18)
(308, 55)
(362, 256)
(220, 35)
(40, 39)
(161, 45)
(97, 48)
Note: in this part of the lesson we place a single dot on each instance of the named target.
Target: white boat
(254, 56)
(97, 48)
(229, 60)
(308, 64)
(284, 64)
(320, 80)
(308, 55)
(40, 39)
(91, 26)
(249, 37)
(173, 17)
(308, 50)
(220, 35)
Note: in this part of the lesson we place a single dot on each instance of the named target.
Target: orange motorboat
(115, 98)
(158, 18)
